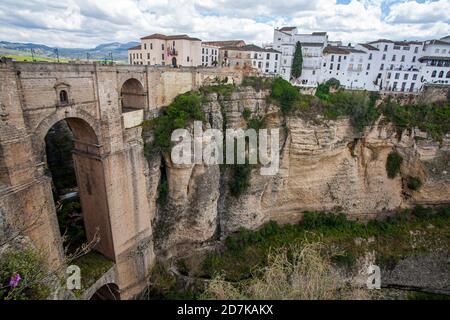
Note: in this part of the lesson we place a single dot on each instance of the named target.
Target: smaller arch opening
(63, 97)
(174, 62)
(132, 95)
(109, 291)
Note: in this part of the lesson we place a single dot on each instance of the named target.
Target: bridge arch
(132, 95)
(89, 172)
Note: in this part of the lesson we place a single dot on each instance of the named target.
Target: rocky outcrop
(324, 166)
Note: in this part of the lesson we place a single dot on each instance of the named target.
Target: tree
(297, 63)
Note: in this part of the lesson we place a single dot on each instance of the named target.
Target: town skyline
(82, 24)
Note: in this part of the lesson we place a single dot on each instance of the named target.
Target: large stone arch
(90, 175)
(74, 117)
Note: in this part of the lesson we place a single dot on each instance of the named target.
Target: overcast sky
(86, 23)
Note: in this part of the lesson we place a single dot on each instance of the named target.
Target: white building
(403, 66)
(399, 65)
(436, 62)
(159, 49)
(285, 40)
(210, 55)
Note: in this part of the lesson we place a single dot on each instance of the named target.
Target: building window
(338, 66)
(411, 88)
(414, 59)
(433, 74)
(441, 74)
(382, 66)
(188, 59)
(162, 46)
(268, 56)
(63, 97)
(393, 57)
(448, 75)
(414, 76)
(151, 46)
(384, 57)
(162, 57)
(368, 66)
(148, 56)
(396, 47)
(416, 49)
(437, 50)
(203, 50)
(140, 55)
(145, 46)
(370, 56)
(405, 77)
(397, 76)
(331, 66)
(385, 47)
(339, 58)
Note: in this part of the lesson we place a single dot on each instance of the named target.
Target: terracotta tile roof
(138, 47)
(225, 43)
(433, 58)
(342, 50)
(173, 37)
(249, 47)
(397, 43)
(439, 42)
(319, 33)
(287, 29)
(311, 44)
(369, 47)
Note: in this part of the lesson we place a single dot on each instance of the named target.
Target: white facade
(436, 62)
(159, 49)
(403, 66)
(210, 55)
(285, 40)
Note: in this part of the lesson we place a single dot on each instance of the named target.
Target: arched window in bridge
(433, 74)
(441, 74)
(63, 97)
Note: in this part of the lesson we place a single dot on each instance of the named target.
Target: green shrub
(33, 273)
(240, 180)
(257, 83)
(316, 220)
(432, 118)
(246, 113)
(414, 183)
(422, 212)
(182, 111)
(285, 94)
(393, 164)
(256, 123)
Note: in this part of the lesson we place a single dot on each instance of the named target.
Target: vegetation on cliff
(393, 164)
(432, 118)
(23, 275)
(183, 110)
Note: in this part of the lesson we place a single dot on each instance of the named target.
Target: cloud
(415, 12)
(86, 23)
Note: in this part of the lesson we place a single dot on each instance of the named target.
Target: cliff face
(324, 166)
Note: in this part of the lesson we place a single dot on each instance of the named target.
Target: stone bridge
(103, 105)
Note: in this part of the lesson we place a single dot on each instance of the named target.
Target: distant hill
(100, 52)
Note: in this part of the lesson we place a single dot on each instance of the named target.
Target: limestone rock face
(324, 166)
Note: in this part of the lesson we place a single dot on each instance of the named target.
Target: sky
(87, 23)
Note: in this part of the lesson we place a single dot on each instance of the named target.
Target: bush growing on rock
(393, 164)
